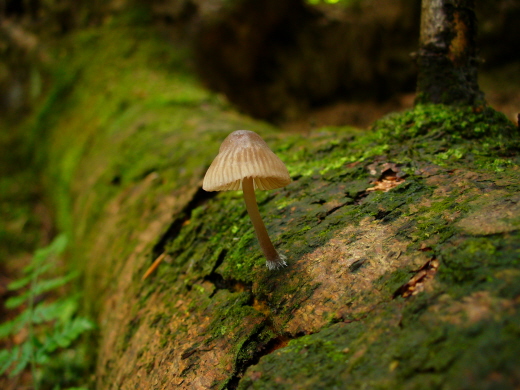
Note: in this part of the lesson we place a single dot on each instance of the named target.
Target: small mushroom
(246, 162)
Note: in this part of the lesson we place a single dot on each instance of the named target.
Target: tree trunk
(402, 243)
(447, 58)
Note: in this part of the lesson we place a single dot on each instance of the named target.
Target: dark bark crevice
(198, 199)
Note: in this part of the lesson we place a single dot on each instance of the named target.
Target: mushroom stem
(274, 260)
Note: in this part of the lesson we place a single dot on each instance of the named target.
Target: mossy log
(403, 243)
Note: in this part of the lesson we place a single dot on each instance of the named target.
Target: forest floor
(501, 87)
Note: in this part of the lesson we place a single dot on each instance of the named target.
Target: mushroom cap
(245, 154)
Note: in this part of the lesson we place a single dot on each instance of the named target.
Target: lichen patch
(498, 215)
(345, 268)
(476, 307)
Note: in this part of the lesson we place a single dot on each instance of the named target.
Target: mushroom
(246, 162)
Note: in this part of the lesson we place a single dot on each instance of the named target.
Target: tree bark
(402, 243)
(447, 58)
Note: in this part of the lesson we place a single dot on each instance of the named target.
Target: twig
(154, 266)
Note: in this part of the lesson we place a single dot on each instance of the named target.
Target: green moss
(380, 356)
(455, 122)
(131, 328)
(474, 259)
(451, 136)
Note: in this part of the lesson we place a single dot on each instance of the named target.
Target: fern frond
(39, 288)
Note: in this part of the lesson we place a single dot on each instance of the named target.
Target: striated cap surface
(245, 154)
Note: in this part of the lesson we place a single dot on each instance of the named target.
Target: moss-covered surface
(413, 287)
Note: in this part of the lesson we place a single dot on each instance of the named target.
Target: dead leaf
(391, 176)
(419, 280)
